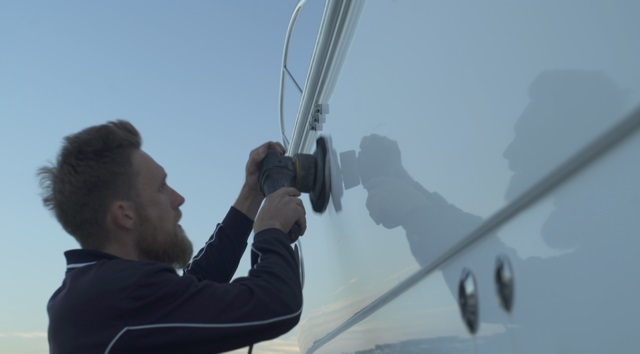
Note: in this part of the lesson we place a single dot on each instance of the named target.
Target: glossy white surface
(581, 300)
(453, 111)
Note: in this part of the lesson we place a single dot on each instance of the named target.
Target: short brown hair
(93, 169)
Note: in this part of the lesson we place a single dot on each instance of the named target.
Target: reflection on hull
(446, 345)
(502, 157)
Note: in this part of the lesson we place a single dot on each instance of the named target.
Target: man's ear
(122, 214)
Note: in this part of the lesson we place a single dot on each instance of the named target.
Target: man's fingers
(270, 145)
(273, 145)
(302, 219)
(288, 191)
(258, 154)
(303, 225)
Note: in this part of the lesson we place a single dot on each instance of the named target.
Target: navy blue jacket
(111, 305)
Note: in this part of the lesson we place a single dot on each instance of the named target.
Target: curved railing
(285, 70)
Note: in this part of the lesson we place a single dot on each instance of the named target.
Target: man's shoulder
(96, 299)
(111, 279)
(118, 274)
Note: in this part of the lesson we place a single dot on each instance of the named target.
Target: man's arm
(166, 313)
(218, 260)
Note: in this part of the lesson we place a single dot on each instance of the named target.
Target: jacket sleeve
(219, 258)
(167, 313)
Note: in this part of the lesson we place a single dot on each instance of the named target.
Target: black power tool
(308, 173)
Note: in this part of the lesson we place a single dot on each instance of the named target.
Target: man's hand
(281, 210)
(251, 196)
(252, 181)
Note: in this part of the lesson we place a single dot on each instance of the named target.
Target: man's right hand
(281, 209)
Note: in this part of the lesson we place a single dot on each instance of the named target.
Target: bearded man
(121, 292)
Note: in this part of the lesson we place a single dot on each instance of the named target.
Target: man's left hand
(251, 196)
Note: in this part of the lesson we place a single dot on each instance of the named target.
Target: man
(121, 293)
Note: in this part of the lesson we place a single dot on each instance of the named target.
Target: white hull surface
(463, 135)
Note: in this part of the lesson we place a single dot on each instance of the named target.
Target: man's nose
(177, 199)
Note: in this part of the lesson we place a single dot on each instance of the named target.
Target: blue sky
(199, 79)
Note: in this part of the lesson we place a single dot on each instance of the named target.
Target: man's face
(160, 237)
(538, 146)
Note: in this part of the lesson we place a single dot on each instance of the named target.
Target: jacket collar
(81, 258)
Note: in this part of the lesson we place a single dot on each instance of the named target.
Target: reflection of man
(594, 219)
(121, 293)
(568, 110)
(394, 199)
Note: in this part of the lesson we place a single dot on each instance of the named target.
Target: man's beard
(172, 249)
